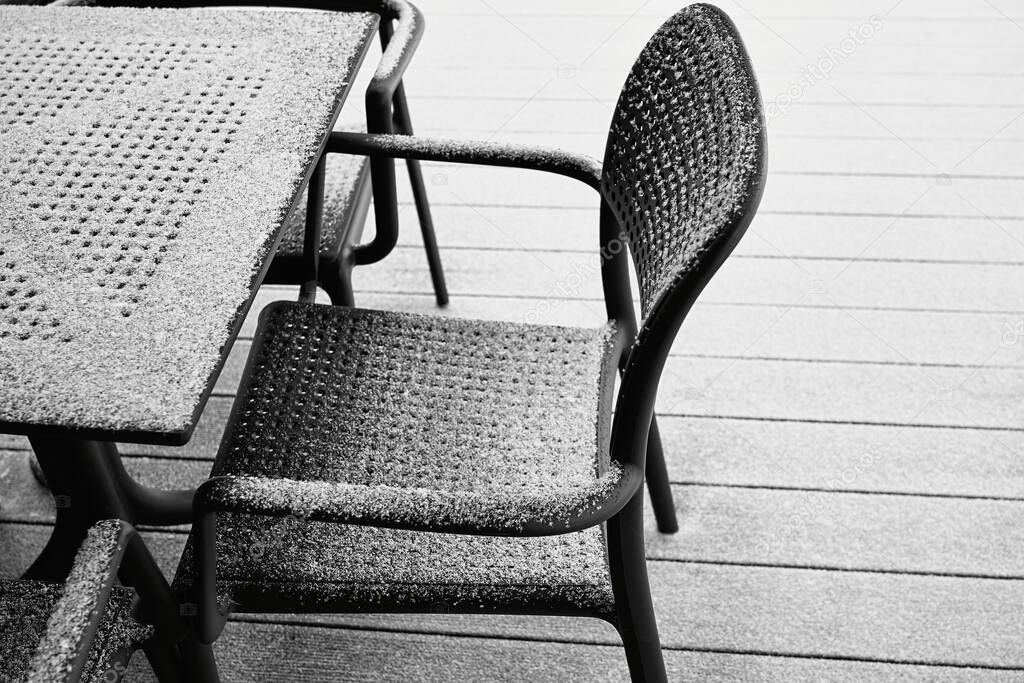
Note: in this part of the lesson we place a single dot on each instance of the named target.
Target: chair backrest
(682, 176)
(684, 159)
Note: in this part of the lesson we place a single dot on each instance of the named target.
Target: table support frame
(89, 483)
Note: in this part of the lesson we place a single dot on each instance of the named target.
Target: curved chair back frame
(683, 173)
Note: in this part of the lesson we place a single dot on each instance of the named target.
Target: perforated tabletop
(147, 161)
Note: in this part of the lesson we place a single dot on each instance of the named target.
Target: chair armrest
(400, 44)
(583, 168)
(111, 549)
(402, 508)
(64, 647)
(346, 504)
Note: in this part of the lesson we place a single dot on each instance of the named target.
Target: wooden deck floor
(842, 412)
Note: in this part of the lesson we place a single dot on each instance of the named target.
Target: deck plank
(897, 618)
(550, 275)
(777, 235)
(913, 534)
(254, 652)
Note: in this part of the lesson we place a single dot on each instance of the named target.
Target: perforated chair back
(682, 176)
(684, 162)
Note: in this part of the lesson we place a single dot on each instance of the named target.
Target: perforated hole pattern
(374, 398)
(112, 194)
(148, 158)
(684, 146)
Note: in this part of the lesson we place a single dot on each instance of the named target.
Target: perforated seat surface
(25, 607)
(147, 160)
(423, 419)
(343, 178)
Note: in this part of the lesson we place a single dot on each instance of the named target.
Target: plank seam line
(693, 483)
(244, 339)
(788, 17)
(840, 569)
(561, 640)
(857, 492)
(736, 304)
(817, 361)
(124, 450)
(221, 393)
(770, 257)
(866, 423)
(772, 212)
(851, 658)
(619, 71)
(895, 174)
(610, 101)
(458, 132)
(181, 530)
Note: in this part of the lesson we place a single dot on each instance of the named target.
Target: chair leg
(634, 608)
(164, 661)
(658, 483)
(200, 664)
(419, 192)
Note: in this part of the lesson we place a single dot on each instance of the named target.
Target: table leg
(84, 489)
(89, 483)
(154, 507)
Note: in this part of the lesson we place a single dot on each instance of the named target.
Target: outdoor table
(148, 158)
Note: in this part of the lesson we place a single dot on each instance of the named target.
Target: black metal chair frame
(635, 441)
(387, 111)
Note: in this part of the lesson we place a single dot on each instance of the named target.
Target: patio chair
(348, 178)
(85, 629)
(378, 461)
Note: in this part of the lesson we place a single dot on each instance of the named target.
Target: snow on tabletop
(147, 158)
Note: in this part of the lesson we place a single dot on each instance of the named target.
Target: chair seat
(25, 608)
(422, 422)
(346, 177)
(289, 564)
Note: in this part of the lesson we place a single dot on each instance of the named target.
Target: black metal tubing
(85, 489)
(579, 167)
(209, 619)
(403, 125)
(658, 483)
(634, 618)
(314, 221)
(380, 96)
